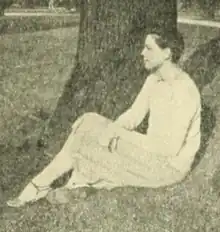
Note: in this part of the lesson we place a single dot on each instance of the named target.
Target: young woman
(106, 154)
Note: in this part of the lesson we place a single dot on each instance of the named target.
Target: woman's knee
(90, 116)
(89, 120)
(93, 117)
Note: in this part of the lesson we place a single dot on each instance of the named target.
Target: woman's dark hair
(174, 42)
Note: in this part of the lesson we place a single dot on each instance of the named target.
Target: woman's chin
(147, 67)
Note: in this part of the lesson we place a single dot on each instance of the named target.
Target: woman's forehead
(150, 41)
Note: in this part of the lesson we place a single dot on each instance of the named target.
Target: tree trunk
(51, 4)
(1, 12)
(4, 4)
(109, 71)
(185, 4)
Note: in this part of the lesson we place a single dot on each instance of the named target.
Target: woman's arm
(132, 117)
(177, 121)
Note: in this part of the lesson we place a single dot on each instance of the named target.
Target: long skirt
(129, 165)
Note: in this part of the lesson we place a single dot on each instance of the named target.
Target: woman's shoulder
(152, 78)
(191, 85)
(187, 88)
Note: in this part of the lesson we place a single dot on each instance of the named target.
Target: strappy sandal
(64, 195)
(30, 194)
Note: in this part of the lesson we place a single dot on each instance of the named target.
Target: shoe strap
(40, 188)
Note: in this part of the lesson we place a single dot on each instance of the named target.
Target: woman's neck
(168, 71)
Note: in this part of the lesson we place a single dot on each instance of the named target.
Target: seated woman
(108, 154)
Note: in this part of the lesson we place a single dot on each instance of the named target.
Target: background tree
(185, 4)
(4, 4)
(51, 4)
(68, 4)
(207, 8)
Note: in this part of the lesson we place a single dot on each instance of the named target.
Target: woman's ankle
(40, 187)
(40, 183)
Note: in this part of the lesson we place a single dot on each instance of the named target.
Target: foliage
(31, 3)
(44, 3)
(4, 4)
(68, 3)
(208, 8)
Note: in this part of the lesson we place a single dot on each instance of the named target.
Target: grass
(34, 68)
(21, 24)
(119, 210)
(36, 10)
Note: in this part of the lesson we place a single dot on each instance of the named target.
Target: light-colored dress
(163, 156)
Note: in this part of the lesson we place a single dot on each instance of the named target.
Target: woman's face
(153, 55)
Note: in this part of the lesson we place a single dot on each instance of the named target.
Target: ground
(42, 55)
(48, 57)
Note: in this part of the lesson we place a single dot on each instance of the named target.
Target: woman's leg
(131, 163)
(62, 163)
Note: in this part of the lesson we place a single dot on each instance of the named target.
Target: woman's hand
(109, 138)
(113, 144)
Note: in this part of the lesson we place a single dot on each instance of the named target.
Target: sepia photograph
(110, 115)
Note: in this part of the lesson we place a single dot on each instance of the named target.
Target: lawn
(35, 10)
(22, 23)
(34, 68)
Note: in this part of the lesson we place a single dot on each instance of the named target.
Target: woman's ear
(167, 53)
